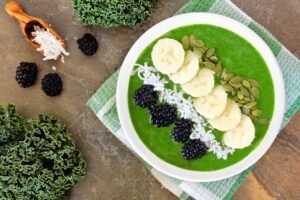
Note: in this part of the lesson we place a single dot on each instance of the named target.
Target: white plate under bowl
(164, 27)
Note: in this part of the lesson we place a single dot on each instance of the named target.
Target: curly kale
(113, 13)
(11, 125)
(38, 158)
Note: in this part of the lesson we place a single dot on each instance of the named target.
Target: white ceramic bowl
(183, 20)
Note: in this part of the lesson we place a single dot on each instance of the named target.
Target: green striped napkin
(103, 103)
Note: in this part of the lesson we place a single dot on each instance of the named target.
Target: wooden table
(113, 172)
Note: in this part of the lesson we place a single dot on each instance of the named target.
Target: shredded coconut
(49, 44)
(201, 130)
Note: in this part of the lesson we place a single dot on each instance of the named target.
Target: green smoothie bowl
(200, 97)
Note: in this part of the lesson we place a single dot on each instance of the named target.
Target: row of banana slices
(210, 101)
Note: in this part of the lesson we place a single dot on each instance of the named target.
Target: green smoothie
(237, 56)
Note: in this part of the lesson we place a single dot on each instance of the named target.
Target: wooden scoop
(27, 23)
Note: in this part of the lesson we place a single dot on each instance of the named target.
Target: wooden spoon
(27, 23)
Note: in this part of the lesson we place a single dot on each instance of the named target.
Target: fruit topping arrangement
(163, 115)
(210, 98)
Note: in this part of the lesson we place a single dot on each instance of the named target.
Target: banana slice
(212, 105)
(229, 119)
(167, 55)
(242, 135)
(201, 85)
(188, 70)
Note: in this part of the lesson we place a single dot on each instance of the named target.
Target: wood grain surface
(113, 172)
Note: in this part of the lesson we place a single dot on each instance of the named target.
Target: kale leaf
(38, 158)
(113, 13)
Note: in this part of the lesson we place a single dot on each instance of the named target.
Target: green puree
(238, 56)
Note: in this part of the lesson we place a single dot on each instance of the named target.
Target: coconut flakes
(49, 44)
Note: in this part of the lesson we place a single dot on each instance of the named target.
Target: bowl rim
(185, 20)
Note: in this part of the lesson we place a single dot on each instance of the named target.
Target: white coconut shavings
(185, 108)
(49, 44)
(149, 76)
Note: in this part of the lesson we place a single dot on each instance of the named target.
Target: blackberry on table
(88, 44)
(194, 149)
(26, 74)
(182, 130)
(162, 115)
(52, 84)
(145, 96)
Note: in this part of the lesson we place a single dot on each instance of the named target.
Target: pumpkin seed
(201, 62)
(223, 82)
(247, 99)
(255, 92)
(246, 83)
(214, 59)
(240, 104)
(236, 85)
(198, 43)
(257, 113)
(223, 73)
(252, 116)
(236, 79)
(233, 93)
(240, 95)
(227, 88)
(235, 98)
(245, 92)
(254, 83)
(218, 67)
(250, 97)
(246, 111)
(219, 73)
(228, 76)
(205, 48)
(202, 50)
(185, 42)
(209, 53)
(198, 52)
(209, 65)
(242, 101)
(253, 108)
(192, 40)
(264, 121)
(250, 104)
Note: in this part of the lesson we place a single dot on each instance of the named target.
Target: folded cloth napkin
(103, 103)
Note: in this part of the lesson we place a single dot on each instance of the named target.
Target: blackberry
(182, 130)
(26, 74)
(162, 115)
(88, 44)
(193, 149)
(145, 96)
(52, 84)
